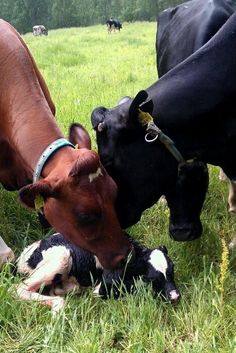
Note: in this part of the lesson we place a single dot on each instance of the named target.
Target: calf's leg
(43, 276)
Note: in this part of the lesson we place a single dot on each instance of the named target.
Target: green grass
(85, 68)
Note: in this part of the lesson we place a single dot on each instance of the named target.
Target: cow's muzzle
(186, 232)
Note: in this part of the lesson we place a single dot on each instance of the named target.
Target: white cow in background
(40, 30)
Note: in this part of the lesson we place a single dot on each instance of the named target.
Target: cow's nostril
(185, 233)
(119, 261)
(174, 296)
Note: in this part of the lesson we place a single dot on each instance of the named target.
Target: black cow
(194, 105)
(113, 24)
(183, 29)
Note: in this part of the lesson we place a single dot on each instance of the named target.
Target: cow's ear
(34, 195)
(79, 136)
(140, 102)
(147, 106)
(97, 118)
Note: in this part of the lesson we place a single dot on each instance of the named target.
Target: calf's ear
(140, 102)
(34, 195)
(163, 248)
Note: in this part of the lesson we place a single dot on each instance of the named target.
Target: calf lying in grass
(61, 267)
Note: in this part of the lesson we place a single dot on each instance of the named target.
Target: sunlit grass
(85, 68)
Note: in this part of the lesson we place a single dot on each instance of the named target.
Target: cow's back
(185, 28)
(26, 110)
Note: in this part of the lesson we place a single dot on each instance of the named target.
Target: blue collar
(53, 147)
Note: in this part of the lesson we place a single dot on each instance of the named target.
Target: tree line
(23, 14)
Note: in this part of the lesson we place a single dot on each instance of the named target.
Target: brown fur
(27, 127)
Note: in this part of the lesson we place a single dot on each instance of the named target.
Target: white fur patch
(96, 290)
(22, 266)
(93, 176)
(158, 261)
(56, 259)
(98, 263)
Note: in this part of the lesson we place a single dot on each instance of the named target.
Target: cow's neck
(193, 101)
(32, 133)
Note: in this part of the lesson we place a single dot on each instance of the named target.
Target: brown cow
(77, 193)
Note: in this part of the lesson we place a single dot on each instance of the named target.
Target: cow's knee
(222, 175)
(6, 253)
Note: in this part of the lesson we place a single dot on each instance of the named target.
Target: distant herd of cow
(157, 143)
(112, 25)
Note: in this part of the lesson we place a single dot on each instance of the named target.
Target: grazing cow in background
(193, 104)
(40, 30)
(113, 24)
(70, 185)
(61, 267)
(181, 31)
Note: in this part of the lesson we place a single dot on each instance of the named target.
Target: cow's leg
(232, 244)
(232, 196)
(28, 290)
(6, 254)
(44, 276)
(69, 285)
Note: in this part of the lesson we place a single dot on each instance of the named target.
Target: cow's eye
(85, 219)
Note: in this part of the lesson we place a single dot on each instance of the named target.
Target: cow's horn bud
(101, 127)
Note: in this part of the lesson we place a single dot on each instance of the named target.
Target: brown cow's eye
(85, 219)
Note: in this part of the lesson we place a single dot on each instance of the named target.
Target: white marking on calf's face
(158, 261)
(93, 176)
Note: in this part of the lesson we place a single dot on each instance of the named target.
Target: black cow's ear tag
(144, 118)
(38, 202)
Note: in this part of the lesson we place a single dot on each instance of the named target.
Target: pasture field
(85, 68)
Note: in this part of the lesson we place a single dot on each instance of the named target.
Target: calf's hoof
(56, 304)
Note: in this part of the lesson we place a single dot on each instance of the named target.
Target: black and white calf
(61, 267)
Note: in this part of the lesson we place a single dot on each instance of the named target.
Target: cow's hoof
(232, 209)
(6, 256)
(232, 244)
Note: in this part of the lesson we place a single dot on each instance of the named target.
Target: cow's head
(145, 171)
(78, 201)
(186, 200)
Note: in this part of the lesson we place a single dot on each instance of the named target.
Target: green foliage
(23, 14)
(85, 68)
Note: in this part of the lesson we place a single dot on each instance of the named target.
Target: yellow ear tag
(144, 118)
(38, 202)
(77, 146)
